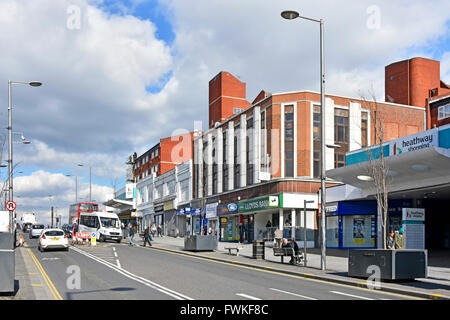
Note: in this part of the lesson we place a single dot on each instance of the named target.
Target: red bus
(75, 209)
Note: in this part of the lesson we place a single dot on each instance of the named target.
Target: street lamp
(10, 160)
(76, 186)
(290, 15)
(90, 180)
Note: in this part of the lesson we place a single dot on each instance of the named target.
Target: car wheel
(118, 241)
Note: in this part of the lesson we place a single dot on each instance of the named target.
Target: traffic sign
(10, 205)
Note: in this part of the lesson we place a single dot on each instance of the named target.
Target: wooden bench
(233, 249)
(286, 252)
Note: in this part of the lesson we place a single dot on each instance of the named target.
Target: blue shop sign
(184, 211)
(227, 209)
(351, 208)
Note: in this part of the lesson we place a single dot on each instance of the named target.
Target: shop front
(228, 222)
(211, 218)
(351, 225)
(356, 224)
(158, 217)
(170, 224)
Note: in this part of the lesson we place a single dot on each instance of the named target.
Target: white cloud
(42, 190)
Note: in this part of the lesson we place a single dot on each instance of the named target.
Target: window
(316, 141)
(89, 221)
(444, 112)
(249, 151)
(214, 167)
(225, 164)
(237, 166)
(263, 159)
(341, 136)
(364, 142)
(184, 189)
(289, 141)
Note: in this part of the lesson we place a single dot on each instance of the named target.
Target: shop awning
(118, 204)
(407, 171)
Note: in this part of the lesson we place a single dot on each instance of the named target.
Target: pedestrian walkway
(436, 286)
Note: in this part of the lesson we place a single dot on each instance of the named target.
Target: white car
(53, 239)
(36, 230)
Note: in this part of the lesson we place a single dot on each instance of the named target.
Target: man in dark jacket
(147, 237)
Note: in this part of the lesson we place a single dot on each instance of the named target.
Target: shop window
(358, 231)
(332, 234)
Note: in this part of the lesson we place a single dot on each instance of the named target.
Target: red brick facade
(225, 93)
(413, 81)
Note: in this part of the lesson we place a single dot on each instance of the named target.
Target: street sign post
(93, 239)
(10, 205)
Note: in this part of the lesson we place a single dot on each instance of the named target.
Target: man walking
(147, 237)
(131, 232)
(159, 230)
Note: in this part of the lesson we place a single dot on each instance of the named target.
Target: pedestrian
(153, 230)
(400, 239)
(159, 231)
(278, 235)
(147, 236)
(131, 232)
(390, 242)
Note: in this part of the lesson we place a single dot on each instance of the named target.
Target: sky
(119, 75)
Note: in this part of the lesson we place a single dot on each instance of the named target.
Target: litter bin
(258, 249)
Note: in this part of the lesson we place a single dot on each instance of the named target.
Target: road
(119, 271)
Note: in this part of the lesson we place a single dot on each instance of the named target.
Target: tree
(377, 168)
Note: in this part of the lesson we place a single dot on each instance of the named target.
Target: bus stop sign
(10, 205)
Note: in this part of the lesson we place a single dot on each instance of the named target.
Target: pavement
(436, 286)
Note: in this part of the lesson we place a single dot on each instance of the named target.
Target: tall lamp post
(90, 180)
(10, 157)
(290, 15)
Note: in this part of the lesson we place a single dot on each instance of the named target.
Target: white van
(106, 225)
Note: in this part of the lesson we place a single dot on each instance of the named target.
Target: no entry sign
(11, 205)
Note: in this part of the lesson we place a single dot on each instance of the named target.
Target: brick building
(439, 107)
(415, 82)
(258, 162)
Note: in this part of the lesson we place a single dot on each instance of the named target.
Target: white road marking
(115, 254)
(137, 278)
(247, 296)
(294, 294)
(118, 264)
(351, 295)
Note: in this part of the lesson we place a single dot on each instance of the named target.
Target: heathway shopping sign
(258, 204)
(417, 141)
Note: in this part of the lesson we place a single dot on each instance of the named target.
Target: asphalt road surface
(119, 271)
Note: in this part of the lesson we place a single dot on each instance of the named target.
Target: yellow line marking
(435, 296)
(47, 280)
(36, 284)
(295, 276)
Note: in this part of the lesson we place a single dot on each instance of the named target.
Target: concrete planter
(200, 243)
(391, 264)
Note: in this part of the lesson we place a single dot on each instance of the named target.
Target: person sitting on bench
(292, 245)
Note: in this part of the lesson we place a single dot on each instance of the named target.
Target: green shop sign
(258, 204)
